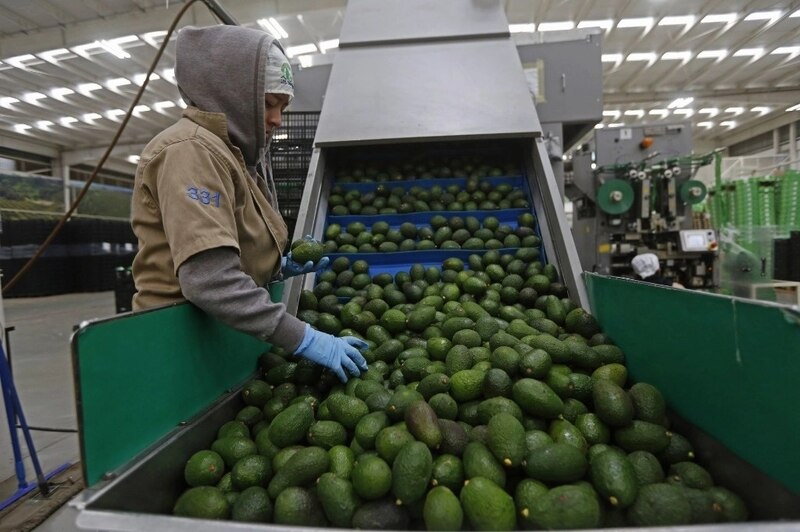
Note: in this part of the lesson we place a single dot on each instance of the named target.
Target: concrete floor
(42, 367)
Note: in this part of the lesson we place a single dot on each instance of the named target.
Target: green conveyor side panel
(139, 375)
(728, 365)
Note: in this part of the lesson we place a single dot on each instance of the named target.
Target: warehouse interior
(485, 177)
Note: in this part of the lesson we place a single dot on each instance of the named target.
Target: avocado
(562, 431)
(466, 385)
(444, 406)
(556, 462)
(732, 507)
(296, 506)
(646, 467)
(480, 462)
(204, 468)
(233, 448)
(614, 477)
(205, 502)
(368, 428)
(381, 515)
(678, 450)
(303, 468)
(327, 434)
(252, 505)
(338, 498)
(423, 424)
(660, 505)
(581, 322)
(420, 318)
(347, 410)
(411, 472)
(448, 471)
(253, 470)
(609, 354)
(690, 475)
(648, 403)
(506, 359)
(612, 404)
(704, 509)
(537, 399)
(559, 352)
(400, 401)
(487, 506)
(454, 437)
(342, 460)
(616, 373)
(566, 507)
(390, 440)
(642, 436)
(593, 428)
(491, 407)
(442, 510)
(304, 251)
(506, 439)
(371, 477)
(535, 364)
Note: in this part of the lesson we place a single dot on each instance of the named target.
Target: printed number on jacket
(203, 196)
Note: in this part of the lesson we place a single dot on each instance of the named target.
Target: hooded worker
(204, 205)
(648, 268)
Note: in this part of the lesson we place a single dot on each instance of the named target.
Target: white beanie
(645, 265)
(278, 77)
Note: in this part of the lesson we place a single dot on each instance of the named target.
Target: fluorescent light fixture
(269, 27)
(33, 97)
(324, 46)
(735, 110)
(59, 92)
(305, 62)
(117, 82)
(730, 124)
(617, 124)
(21, 128)
(788, 50)
(113, 114)
(713, 54)
(749, 52)
(83, 49)
(684, 20)
(91, 117)
(676, 56)
(763, 15)
(169, 75)
(606, 24)
(133, 159)
(301, 49)
(793, 108)
(638, 113)
(795, 14)
(139, 109)
(150, 37)
(643, 22)
(278, 27)
(43, 124)
(280, 136)
(661, 113)
(680, 102)
(19, 60)
(638, 56)
(684, 112)
(67, 120)
(557, 26)
(52, 56)
(616, 114)
(124, 40)
(710, 111)
(6, 102)
(599, 126)
(181, 104)
(611, 58)
(727, 18)
(139, 78)
(85, 88)
(707, 125)
(521, 28)
(166, 104)
(761, 110)
(114, 49)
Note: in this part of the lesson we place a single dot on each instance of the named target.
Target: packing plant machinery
(634, 194)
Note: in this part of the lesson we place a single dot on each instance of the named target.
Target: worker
(648, 269)
(204, 206)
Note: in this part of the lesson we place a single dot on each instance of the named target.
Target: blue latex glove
(337, 354)
(290, 268)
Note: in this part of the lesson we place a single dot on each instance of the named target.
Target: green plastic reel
(693, 191)
(615, 196)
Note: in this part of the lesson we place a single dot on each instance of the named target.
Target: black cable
(48, 429)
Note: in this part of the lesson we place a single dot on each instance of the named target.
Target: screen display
(695, 241)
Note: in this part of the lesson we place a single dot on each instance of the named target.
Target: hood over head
(221, 69)
(645, 265)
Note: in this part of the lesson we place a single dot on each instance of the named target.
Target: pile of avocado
(475, 195)
(455, 232)
(491, 402)
(459, 166)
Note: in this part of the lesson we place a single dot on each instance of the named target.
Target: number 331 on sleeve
(203, 196)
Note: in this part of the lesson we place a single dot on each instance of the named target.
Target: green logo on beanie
(286, 74)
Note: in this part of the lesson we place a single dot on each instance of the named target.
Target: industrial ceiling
(69, 68)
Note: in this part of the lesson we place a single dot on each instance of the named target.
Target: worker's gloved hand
(290, 268)
(340, 355)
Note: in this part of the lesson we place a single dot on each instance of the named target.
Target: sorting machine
(633, 192)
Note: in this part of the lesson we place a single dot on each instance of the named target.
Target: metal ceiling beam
(56, 13)
(757, 127)
(84, 155)
(661, 96)
(21, 143)
(24, 23)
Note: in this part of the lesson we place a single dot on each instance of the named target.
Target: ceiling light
(795, 14)
(6, 102)
(271, 28)
(51, 56)
(713, 54)
(166, 104)
(735, 110)
(644, 22)
(613, 112)
(707, 125)
(33, 97)
(646, 56)
(181, 104)
(324, 46)
(305, 62)
(139, 109)
(19, 60)
(611, 58)
(599, 126)
(67, 120)
(661, 113)
(606, 24)
(301, 49)
(21, 128)
(90, 117)
(86, 88)
(557, 26)
(139, 78)
(681, 56)
(133, 159)
(83, 49)
(521, 28)
(726, 17)
(638, 113)
(711, 111)
(763, 15)
(114, 49)
(169, 75)
(278, 27)
(114, 113)
(794, 108)
(59, 92)
(617, 124)
(685, 20)
(760, 110)
(684, 112)
(43, 124)
(150, 37)
(789, 50)
(680, 102)
(749, 52)
(730, 124)
(117, 82)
